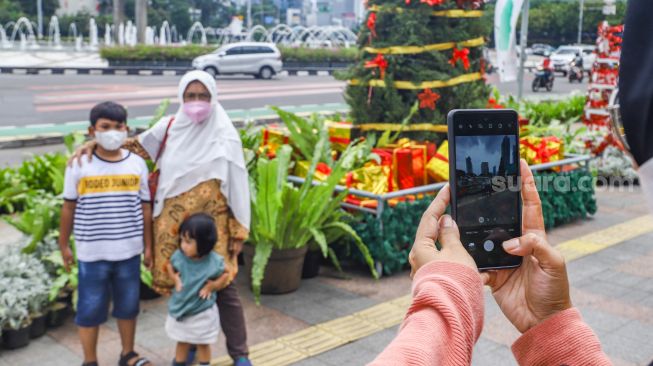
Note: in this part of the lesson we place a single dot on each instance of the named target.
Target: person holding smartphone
(445, 318)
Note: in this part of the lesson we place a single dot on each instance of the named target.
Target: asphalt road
(42, 99)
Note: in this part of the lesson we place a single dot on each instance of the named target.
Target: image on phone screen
(485, 185)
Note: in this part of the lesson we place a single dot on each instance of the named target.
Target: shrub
(189, 52)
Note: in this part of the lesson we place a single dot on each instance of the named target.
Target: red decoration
(431, 2)
(428, 98)
(462, 55)
(494, 104)
(371, 24)
(379, 62)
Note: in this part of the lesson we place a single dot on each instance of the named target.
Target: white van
(263, 60)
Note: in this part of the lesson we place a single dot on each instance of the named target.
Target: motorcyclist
(578, 61)
(546, 67)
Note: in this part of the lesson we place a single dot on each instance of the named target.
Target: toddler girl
(198, 272)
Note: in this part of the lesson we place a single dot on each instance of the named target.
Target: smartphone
(484, 182)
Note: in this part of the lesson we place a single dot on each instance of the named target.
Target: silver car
(263, 60)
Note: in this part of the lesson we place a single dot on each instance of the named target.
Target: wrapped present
(438, 167)
(341, 134)
(538, 150)
(274, 136)
(403, 168)
(322, 170)
(371, 178)
(431, 148)
(409, 163)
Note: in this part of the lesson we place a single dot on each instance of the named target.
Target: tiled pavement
(613, 289)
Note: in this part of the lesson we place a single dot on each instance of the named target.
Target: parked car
(263, 60)
(563, 56)
(541, 49)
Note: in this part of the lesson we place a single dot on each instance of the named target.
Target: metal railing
(569, 159)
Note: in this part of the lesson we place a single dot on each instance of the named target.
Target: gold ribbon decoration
(452, 13)
(409, 85)
(398, 127)
(404, 50)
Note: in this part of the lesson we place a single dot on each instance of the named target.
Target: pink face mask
(197, 110)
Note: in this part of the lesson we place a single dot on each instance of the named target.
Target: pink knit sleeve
(444, 320)
(563, 339)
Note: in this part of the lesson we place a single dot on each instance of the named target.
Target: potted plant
(63, 292)
(14, 314)
(38, 306)
(336, 230)
(285, 218)
(147, 293)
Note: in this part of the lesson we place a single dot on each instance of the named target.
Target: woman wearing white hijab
(202, 169)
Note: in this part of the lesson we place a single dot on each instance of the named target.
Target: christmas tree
(419, 51)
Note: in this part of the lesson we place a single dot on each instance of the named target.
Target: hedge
(391, 243)
(189, 52)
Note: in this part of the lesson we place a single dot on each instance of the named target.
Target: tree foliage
(556, 22)
(415, 25)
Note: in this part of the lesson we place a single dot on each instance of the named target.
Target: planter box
(294, 65)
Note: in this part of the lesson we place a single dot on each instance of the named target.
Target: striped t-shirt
(108, 222)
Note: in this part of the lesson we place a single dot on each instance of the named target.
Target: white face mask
(111, 140)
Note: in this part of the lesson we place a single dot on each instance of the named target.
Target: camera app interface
(487, 190)
(486, 174)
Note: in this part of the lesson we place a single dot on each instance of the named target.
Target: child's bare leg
(203, 354)
(182, 352)
(88, 336)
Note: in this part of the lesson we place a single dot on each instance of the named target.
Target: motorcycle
(542, 81)
(575, 73)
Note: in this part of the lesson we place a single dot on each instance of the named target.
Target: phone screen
(485, 185)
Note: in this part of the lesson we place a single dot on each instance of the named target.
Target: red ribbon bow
(462, 55)
(371, 23)
(380, 62)
(542, 152)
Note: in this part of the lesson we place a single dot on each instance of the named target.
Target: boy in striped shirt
(106, 205)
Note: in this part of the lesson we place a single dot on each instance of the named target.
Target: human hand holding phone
(436, 226)
(539, 288)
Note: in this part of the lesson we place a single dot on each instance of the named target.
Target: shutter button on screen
(488, 245)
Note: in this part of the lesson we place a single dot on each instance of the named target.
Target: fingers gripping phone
(484, 182)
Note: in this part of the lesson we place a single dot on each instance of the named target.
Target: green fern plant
(285, 216)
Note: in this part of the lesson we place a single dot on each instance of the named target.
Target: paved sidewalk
(612, 287)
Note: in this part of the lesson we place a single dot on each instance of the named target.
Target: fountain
(121, 34)
(92, 34)
(149, 35)
(20, 23)
(21, 33)
(130, 34)
(108, 39)
(72, 30)
(174, 34)
(54, 34)
(165, 35)
(197, 26)
(4, 43)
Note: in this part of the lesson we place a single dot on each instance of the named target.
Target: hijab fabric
(198, 152)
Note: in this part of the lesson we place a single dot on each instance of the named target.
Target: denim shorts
(102, 281)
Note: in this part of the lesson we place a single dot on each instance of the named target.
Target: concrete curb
(145, 71)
